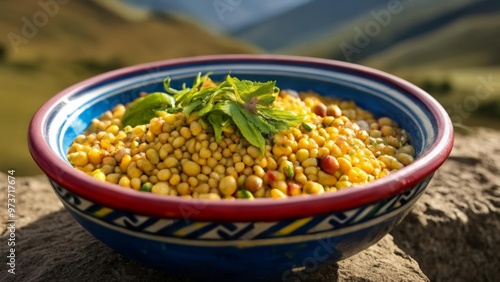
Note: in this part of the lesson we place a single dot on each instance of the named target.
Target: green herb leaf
(278, 118)
(249, 131)
(266, 100)
(142, 110)
(243, 104)
(215, 119)
(259, 122)
(189, 109)
(308, 126)
(246, 89)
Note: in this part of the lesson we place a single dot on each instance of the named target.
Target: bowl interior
(73, 114)
(69, 113)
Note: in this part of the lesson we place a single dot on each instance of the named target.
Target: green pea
(146, 187)
(289, 171)
(244, 194)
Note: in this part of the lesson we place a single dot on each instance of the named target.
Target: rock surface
(453, 232)
(454, 229)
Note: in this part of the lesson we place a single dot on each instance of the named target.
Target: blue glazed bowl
(263, 239)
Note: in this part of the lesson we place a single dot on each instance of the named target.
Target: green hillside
(81, 40)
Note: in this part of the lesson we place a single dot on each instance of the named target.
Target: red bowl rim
(111, 196)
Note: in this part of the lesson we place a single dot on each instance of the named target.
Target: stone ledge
(454, 229)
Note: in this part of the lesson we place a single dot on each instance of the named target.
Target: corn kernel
(405, 158)
(153, 156)
(78, 159)
(161, 188)
(313, 188)
(228, 185)
(113, 178)
(278, 194)
(174, 179)
(94, 156)
(326, 179)
(135, 183)
(125, 162)
(344, 164)
(99, 175)
(124, 182)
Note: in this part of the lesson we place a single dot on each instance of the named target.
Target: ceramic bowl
(263, 239)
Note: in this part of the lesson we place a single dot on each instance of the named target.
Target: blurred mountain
(386, 34)
(304, 24)
(450, 34)
(462, 38)
(271, 25)
(471, 41)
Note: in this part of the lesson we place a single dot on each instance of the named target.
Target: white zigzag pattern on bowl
(245, 230)
(77, 202)
(332, 221)
(223, 232)
(396, 201)
(328, 222)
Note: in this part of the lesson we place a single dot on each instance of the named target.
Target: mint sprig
(232, 104)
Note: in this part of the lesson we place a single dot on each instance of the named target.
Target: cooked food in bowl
(239, 139)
